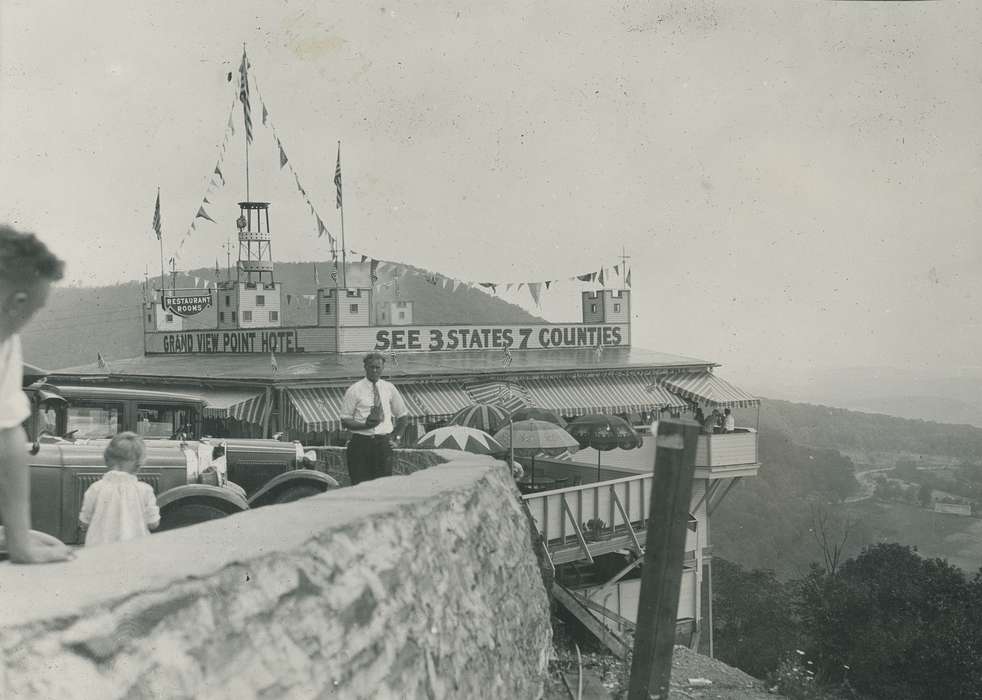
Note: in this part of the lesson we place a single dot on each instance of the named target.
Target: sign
(361, 339)
(188, 305)
(540, 337)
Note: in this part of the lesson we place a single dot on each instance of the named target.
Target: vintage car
(70, 427)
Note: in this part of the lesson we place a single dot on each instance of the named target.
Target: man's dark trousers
(369, 457)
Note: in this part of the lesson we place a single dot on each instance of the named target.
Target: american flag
(337, 177)
(156, 216)
(244, 95)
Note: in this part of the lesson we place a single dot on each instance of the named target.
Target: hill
(770, 522)
(79, 322)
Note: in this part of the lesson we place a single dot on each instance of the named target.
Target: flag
(337, 176)
(244, 95)
(283, 158)
(588, 277)
(102, 362)
(272, 361)
(373, 270)
(507, 358)
(534, 289)
(600, 278)
(317, 281)
(156, 216)
(218, 171)
(265, 113)
(202, 214)
(627, 280)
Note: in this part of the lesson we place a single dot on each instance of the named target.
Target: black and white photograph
(522, 350)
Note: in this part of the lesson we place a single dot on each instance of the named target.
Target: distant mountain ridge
(79, 322)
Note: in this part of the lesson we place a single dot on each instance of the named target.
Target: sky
(796, 183)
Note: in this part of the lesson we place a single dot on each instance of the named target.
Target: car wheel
(295, 493)
(189, 514)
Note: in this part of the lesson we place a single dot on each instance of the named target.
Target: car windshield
(95, 421)
(164, 421)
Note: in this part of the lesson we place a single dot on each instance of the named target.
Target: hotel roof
(330, 368)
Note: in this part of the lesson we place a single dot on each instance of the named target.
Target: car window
(156, 421)
(95, 421)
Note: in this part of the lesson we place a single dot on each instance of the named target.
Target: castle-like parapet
(607, 306)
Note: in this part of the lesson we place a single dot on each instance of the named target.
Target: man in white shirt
(729, 422)
(27, 269)
(376, 415)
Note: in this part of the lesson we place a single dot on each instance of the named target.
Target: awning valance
(248, 406)
(584, 395)
(708, 389)
(313, 409)
(435, 401)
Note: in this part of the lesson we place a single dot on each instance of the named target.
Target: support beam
(671, 496)
(598, 629)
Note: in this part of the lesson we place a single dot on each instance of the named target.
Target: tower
(252, 300)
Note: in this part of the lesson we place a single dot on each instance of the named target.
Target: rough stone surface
(413, 586)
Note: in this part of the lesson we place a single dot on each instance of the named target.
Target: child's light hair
(126, 449)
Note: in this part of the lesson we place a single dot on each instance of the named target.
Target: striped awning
(435, 401)
(313, 409)
(248, 406)
(708, 389)
(511, 395)
(580, 396)
(663, 398)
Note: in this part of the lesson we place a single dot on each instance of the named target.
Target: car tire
(189, 514)
(295, 493)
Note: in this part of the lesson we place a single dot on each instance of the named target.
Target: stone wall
(412, 586)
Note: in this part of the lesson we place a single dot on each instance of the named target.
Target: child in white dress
(119, 507)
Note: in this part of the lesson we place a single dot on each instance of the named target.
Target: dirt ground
(605, 677)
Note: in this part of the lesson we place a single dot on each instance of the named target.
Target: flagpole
(160, 239)
(245, 77)
(344, 252)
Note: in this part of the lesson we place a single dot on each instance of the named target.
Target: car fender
(229, 500)
(290, 478)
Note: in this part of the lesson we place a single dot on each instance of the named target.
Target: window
(95, 420)
(228, 300)
(221, 316)
(246, 316)
(260, 300)
(327, 308)
(400, 304)
(169, 318)
(233, 317)
(149, 318)
(354, 308)
(402, 315)
(593, 308)
(354, 293)
(617, 307)
(274, 315)
(164, 421)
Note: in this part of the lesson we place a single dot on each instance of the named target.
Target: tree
(907, 627)
(753, 624)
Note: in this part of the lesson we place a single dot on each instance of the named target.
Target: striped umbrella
(483, 416)
(458, 437)
(531, 412)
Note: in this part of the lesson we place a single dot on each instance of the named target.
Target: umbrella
(458, 437)
(602, 433)
(532, 437)
(483, 416)
(538, 414)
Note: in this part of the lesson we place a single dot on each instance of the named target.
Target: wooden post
(671, 492)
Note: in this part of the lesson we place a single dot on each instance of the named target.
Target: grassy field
(955, 538)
